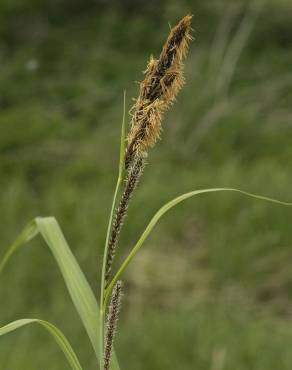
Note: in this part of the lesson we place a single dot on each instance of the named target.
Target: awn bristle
(163, 80)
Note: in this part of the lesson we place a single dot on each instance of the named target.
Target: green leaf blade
(28, 233)
(123, 140)
(78, 287)
(59, 337)
(76, 282)
(164, 209)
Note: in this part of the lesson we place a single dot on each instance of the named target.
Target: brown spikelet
(130, 185)
(163, 79)
(111, 323)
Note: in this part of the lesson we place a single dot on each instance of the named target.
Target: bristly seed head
(111, 324)
(163, 79)
(131, 182)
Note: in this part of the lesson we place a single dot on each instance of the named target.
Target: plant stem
(102, 288)
(103, 306)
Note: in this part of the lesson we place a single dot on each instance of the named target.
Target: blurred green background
(212, 287)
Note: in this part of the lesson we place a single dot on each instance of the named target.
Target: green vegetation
(227, 300)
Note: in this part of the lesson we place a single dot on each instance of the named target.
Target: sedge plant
(162, 81)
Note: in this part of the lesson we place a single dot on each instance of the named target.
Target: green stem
(102, 285)
(102, 288)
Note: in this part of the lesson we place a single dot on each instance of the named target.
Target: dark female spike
(111, 324)
(130, 185)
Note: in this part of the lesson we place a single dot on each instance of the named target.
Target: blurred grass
(64, 66)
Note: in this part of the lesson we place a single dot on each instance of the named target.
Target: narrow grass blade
(78, 287)
(165, 209)
(28, 233)
(123, 140)
(54, 331)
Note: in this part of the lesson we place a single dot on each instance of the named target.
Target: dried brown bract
(163, 79)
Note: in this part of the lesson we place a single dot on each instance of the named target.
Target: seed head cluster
(163, 79)
(120, 214)
(111, 324)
